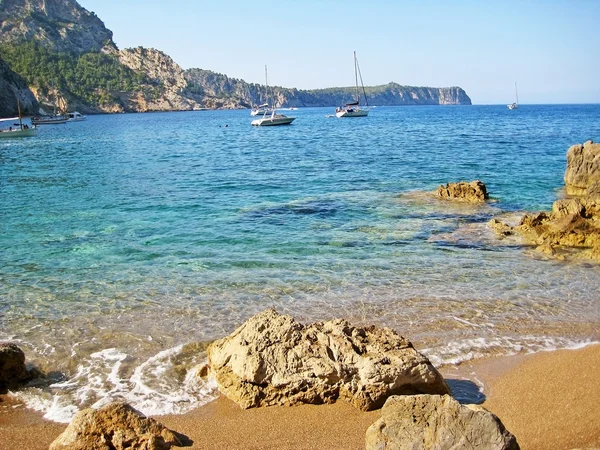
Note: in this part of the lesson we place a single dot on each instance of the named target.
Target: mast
(266, 87)
(19, 109)
(356, 78)
(516, 93)
(361, 81)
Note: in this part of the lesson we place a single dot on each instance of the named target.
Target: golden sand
(549, 401)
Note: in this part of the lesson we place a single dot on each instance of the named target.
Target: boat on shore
(353, 109)
(516, 104)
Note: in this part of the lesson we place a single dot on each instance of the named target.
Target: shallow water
(126, 237)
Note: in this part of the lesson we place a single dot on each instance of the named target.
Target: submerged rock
(12, 367)
(583, 168)
(473, 192)
(423, 422)
(273, 360)
(116, 426)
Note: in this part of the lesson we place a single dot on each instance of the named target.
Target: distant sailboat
(353, 109)
(270, 117)
(516, 104)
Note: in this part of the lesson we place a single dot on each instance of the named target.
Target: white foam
(153, 386)
(456, 352)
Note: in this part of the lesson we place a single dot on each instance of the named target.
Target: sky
(550, 48)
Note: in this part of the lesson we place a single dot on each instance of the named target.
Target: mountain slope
(66, 56)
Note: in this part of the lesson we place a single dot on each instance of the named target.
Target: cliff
(61, 25)
(64, 56)
(242, 94)
(168, 84)
(13, 86)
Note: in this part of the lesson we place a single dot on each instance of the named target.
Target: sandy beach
(549, 401)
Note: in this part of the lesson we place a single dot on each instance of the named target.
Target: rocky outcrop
(573, 223)
(473, 192)
(169, 84)
(423, 422)
(62, 25)
(242, 95)
(274, 360)
(13, 87)
(12, 367)
(583, 169)
(116, 426)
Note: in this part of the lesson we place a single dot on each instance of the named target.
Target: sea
(130, 241)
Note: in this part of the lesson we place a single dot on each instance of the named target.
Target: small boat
(261, 110)
(516, 104)
(75, 117)
(353, 109)
(19, 130)
(271, 118)
(49, 120)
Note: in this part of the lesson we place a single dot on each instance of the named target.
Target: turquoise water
(125, 237)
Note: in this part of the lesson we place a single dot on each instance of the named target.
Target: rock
(60, 25)
(273, 360)
(219, 90)
(165, 75)
(12, 367)
(437, 422)
(583, 168)
(116, 426)
(500, 228)
(13, 86)
(474, 192)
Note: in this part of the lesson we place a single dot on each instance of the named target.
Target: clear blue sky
(550, 48)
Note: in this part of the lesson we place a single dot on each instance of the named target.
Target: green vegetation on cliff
(93, 78)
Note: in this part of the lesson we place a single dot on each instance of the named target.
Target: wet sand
(549, 401)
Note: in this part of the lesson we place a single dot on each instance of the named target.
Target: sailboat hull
(17, 133)
(352, 113)
(272, 121)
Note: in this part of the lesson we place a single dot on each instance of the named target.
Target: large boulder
(424, 422)
(573, 223)
(116, 426)
(473, 192)
(583, 168)
(12, 366)
(274, 360)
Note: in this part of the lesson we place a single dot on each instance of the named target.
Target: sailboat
(516, 104)
(270, 117)
(21, 131)
(353, 109)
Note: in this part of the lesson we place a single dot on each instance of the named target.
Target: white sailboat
(19, 129)
(270, 117)
(353, 109)
(516, 104)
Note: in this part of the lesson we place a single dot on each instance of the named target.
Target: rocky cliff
(168, 90)
(62, 25)
(66, 56)
(241, 94)
(13, 87)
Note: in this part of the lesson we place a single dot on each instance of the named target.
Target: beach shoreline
(548, 400)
